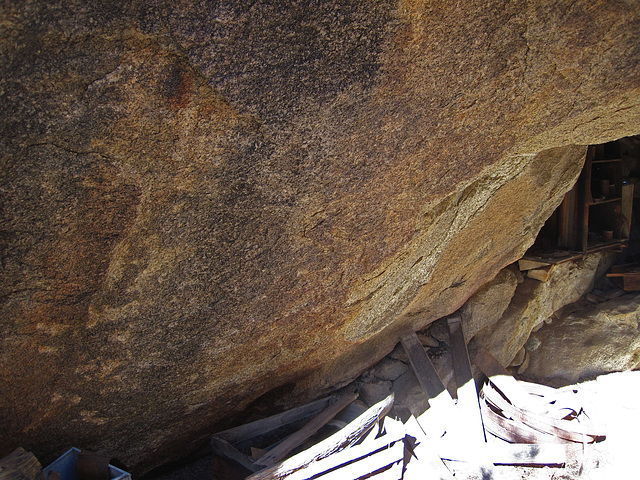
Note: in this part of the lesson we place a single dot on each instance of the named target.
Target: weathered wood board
(348, 455)
(248, 432)
(346, 437)
(468, 406)
(296, 439)
(425, 372)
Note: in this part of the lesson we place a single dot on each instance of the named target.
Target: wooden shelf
(608, 160)
(593, 247)
(606, 200)
(573, 228)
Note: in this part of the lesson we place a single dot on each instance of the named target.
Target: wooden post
(468, 405)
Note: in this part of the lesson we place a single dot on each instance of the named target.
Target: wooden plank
(264, 426)
(393, 473)
(507, 453)
(555, 258)
(502, 379)
(525, 264)
(256, 453)
(627, 207)
(587, 196)
(565, 429)
(540, 274)
(20, 465)
(371, 435)
(512, 430)
(468, 405)
(568, 213)
(224, 449)
(345, 456)
(366, 466)
(631, 282)
(624, 267)
(296, 439)
(425, 372)
(346, 437)
(425, 463)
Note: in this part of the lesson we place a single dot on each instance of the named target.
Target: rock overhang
(204, 204)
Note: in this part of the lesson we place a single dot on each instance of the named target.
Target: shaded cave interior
(601, 211)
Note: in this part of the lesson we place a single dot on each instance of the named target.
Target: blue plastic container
(66, 467)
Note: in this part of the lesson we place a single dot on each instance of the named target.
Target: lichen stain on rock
(177, 86)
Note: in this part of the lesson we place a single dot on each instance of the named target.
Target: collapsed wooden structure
(509, 423)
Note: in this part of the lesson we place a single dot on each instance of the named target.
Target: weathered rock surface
(535, 301)
(601, 339)
(487, 305)
(210, 205)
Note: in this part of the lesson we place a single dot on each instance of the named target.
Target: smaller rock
(525, 364)
(398, 353)
(439, 330)
(368, 376)
(532, 344)
(372, 393)
(593, 298)
(597, 292)
(390, 369)
(519, 358)
(409, 394)
(427, 340)
(614, 293)
(538, 326)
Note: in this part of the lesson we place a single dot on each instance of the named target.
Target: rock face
(534, 302)
(587, 343)
(487, 305)
(211, 204)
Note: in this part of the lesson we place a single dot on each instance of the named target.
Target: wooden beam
(468, 405)
(512, 430)
(296, 439)
(425, 463)
(425, 372)
(566, 429)
(345, 456)
(540, 274)
(224, 449)
(247, 432)
(526, 264)
(389, 455)
(21, 465)
(392, 473)
(502, 379)
(627, 208)
(346, 437)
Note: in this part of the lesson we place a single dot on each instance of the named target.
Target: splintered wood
(527, 413)
(508, 423)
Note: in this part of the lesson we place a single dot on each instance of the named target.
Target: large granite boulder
(211, 205)
(592, 341)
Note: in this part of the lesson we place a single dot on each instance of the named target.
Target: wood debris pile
(509, 423)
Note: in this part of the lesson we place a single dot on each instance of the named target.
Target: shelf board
(593, 247)
(606, 200)
(608, 160)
